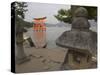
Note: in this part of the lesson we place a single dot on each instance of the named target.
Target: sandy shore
(42, 60)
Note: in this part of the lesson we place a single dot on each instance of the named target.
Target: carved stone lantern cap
(81, 12)
(80, 21)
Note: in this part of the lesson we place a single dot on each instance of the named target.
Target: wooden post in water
(39, 29)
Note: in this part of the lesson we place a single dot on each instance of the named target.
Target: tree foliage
(19, 10)
(64, 15)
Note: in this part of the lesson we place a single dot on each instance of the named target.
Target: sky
(36, 10)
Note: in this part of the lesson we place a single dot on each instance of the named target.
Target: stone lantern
(80, 41)
(20, 54)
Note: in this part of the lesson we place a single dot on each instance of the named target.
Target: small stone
(43, 60)
(46, 67)
(94, 59)
(37, 56)
(48, 61)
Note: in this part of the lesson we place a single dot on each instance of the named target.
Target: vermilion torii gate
(39, 29)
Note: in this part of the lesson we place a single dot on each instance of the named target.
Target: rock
(47, 61)
(45, 46)
(46, 67)
(94, 59)
(43, 60)
(37, 56)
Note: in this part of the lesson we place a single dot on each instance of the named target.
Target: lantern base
(77, 60)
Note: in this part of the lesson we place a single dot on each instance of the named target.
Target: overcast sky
(43, 9)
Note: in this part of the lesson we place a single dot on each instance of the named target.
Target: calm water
(52, 33)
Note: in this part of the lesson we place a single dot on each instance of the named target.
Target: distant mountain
(60, 24)
(50, 25)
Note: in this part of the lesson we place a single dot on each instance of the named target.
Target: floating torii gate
(39, 29)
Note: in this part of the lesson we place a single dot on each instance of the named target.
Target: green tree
(20, 9)
(64, 15)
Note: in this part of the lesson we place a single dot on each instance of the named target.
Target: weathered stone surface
(80, 40)
(81, 12)
(80, 20)
(80, 23)
(21, 57)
